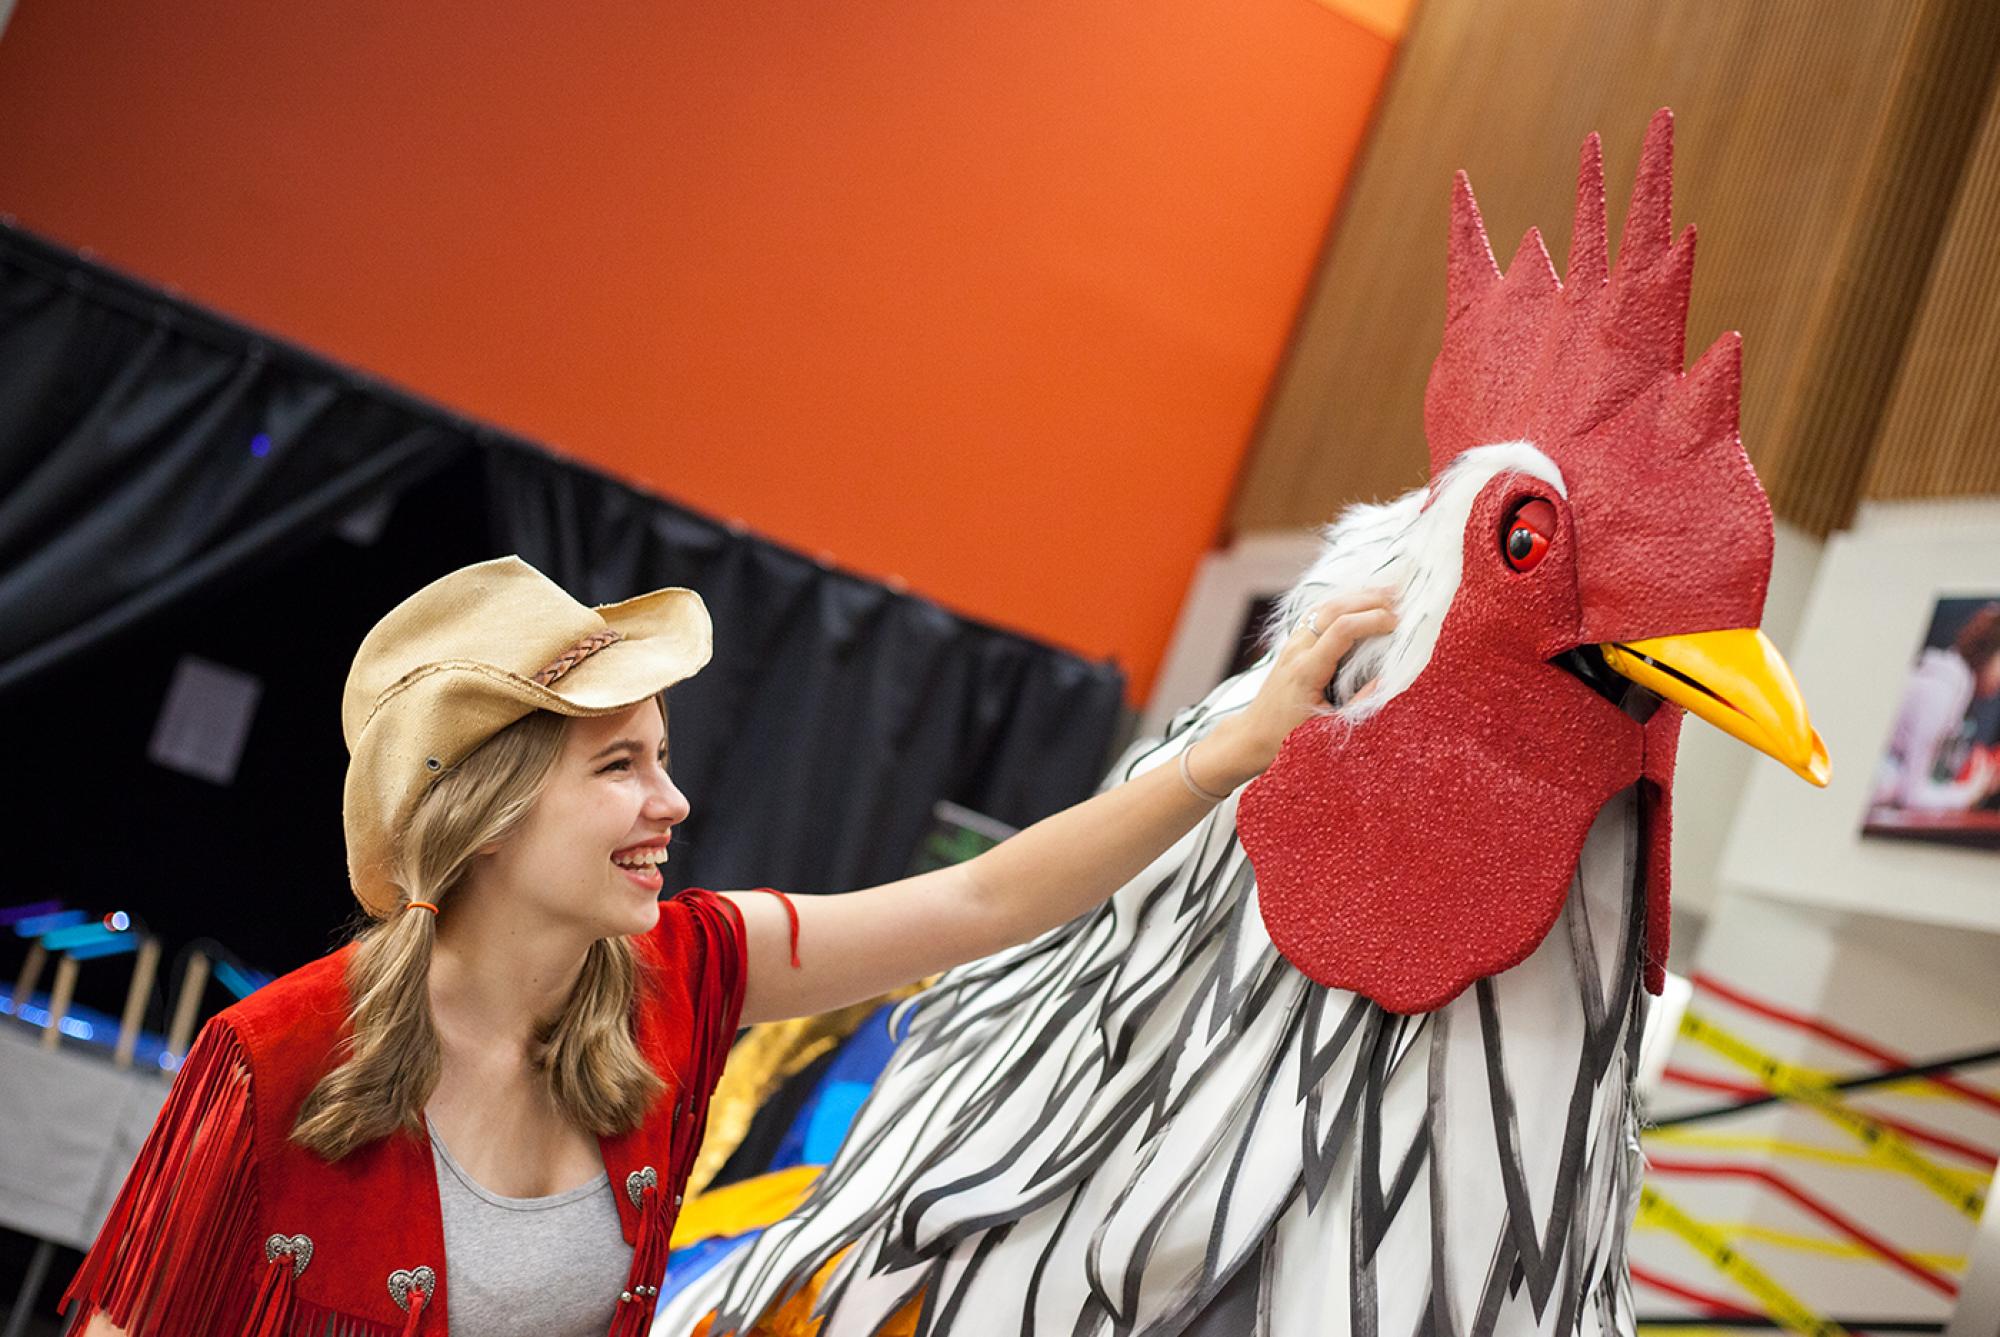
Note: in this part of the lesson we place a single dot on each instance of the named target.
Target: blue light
(260, 444)
(111, 944)
(34, 926)
(239, 982)
(118, 921)
(87, 1025)
(15, 913)
(168, 1062)
(75, 935)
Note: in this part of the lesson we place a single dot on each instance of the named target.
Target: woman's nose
(666, 803)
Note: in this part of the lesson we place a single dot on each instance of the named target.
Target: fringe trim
(274, 1300)
(720, 1000)
(179, 1255)
(311, 1320)
(634, 1315)
(157, 1268)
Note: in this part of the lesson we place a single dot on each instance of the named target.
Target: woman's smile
(641, 862)
(648, 877)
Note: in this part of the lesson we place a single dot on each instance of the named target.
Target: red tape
(1839, 1036)
(1887, 1252)
(1716, 1305)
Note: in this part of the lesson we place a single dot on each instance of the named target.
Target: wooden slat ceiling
(1819, 148)
(1941, 434)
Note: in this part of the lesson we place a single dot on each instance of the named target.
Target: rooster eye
(1528, 533)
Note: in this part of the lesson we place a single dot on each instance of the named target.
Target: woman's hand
(1240, 747)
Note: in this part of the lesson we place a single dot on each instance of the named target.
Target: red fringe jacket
(227, 1226)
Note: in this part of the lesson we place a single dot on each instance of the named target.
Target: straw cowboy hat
(469, 654)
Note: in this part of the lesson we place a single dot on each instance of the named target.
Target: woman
(484, 1109)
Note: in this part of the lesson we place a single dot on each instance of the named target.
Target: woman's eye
(626, 763)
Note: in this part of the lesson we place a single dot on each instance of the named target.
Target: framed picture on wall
(1938, 775)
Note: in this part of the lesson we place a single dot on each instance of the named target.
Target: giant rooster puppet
(1355, 1056)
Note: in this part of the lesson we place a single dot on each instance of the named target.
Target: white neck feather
(1418, 549)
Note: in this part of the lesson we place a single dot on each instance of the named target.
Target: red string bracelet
(792, 913)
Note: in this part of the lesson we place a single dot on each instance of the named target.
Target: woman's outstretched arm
(863, 943)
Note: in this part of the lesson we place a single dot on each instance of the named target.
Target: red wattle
(1403, 870)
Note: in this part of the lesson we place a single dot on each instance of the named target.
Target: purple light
(118, 921)
(260, 444)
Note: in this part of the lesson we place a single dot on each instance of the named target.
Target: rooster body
(1149, 1121)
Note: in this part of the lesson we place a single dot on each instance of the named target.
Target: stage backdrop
(980, 297)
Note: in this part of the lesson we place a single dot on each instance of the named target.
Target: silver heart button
(406, 1279)
(638, 1182)
(300, 1247)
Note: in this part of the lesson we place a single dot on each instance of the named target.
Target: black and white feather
(1148, 1121)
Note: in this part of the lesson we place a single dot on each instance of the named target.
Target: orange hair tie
(420, 905)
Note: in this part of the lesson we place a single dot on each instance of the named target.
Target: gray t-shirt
(530, 1267)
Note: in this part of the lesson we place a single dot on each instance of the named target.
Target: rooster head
(1588, 562)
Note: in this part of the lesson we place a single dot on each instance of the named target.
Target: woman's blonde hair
(596, 1074)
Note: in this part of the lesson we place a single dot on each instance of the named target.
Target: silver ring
(1312, 622)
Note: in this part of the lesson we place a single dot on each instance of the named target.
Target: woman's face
(1986, 677)
(608, 800)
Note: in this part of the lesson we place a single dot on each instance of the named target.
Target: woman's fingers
(1312, 630)
(1329, 610)
(1342, 620)
(1348, 629)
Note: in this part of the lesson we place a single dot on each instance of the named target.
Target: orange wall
(981, 297)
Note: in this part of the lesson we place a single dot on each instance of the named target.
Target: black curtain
(149, 452)
(836, 711)
(174, 484)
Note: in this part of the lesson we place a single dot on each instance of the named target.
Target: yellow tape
(1832, 1248)
(1784, 1308)
(1791, 1082)
(1920, 1088)
(1973, 1180)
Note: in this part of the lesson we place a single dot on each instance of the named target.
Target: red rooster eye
(1529, 533)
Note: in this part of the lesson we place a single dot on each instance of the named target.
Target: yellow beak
(1737, 681)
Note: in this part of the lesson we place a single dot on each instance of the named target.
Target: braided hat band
(576, 654)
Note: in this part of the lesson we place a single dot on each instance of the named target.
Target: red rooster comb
(1588, 369)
